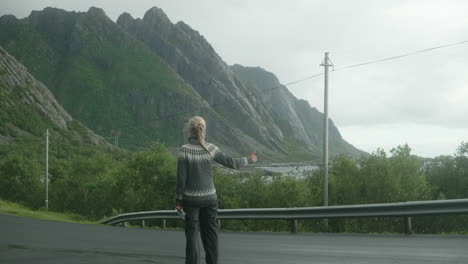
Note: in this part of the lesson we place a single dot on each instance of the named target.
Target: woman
(195, 191)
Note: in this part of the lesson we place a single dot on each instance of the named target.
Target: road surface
(24, 240)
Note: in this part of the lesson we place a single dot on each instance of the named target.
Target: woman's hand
(253, 157)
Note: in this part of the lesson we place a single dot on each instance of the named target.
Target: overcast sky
(420, 100)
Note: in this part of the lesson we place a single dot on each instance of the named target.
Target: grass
(11, 208)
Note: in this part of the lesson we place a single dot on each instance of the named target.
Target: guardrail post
(219, 225)
(294, 226)
(164, 224)
(143, 224)
(407, 223)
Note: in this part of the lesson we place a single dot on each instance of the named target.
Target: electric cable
(239, 98)
(308, 78)
(401, 56)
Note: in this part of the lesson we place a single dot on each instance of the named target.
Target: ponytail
(196, 127)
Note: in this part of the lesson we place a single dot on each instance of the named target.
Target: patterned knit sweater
(194, 173)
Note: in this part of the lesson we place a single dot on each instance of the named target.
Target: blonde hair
(196, 128)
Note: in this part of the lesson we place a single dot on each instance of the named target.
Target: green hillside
(87, 176)
(111, 82)
(131, 80)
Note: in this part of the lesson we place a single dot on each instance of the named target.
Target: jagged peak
(125, 15)
(49, 11)
(194, 35)
(156, 11)
(125, 19)
(187, 29)
(7, 19)
(156, 14)
(96, 11)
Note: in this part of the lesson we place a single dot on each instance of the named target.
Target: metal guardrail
(402, 209)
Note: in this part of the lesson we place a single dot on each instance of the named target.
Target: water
(297, 171)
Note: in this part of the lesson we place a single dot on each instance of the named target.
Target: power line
(401, 56)
(239, 98)
(308, 78)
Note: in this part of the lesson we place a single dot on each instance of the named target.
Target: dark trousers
(205, 216)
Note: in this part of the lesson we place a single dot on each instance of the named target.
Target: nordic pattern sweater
(194, 173)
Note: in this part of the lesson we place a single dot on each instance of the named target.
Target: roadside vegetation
(99, 183)
(11, 208)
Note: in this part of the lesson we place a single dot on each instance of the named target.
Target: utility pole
(47, 170)
(325, 63)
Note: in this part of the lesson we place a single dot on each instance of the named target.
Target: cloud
(416, 136)
(289, 38)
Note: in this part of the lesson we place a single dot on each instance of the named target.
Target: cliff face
(296, 118)
(102, 76)
(195, 60)
(141, 79)
(28, 107)
(275, 118)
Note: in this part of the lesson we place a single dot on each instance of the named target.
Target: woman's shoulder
(190, 148)
(211, 147)
(197, 149)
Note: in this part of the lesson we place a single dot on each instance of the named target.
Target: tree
(148, 180)
(20, 180)
(449, 175)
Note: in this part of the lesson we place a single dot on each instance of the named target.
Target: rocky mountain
(28, 108)
(102, 76)
(140, 79)
(282, 127)
(295, 117)
(195, 60)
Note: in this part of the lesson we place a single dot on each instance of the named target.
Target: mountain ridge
(28, 107)
(126, 78)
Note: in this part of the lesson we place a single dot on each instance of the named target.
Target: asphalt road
(24, 240)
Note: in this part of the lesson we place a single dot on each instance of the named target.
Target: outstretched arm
(233, 163)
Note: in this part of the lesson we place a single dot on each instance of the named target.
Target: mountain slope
(102, 76)
(195, 60)
(141, 79)
(276, 119)
(28, 108)
(295, 117)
